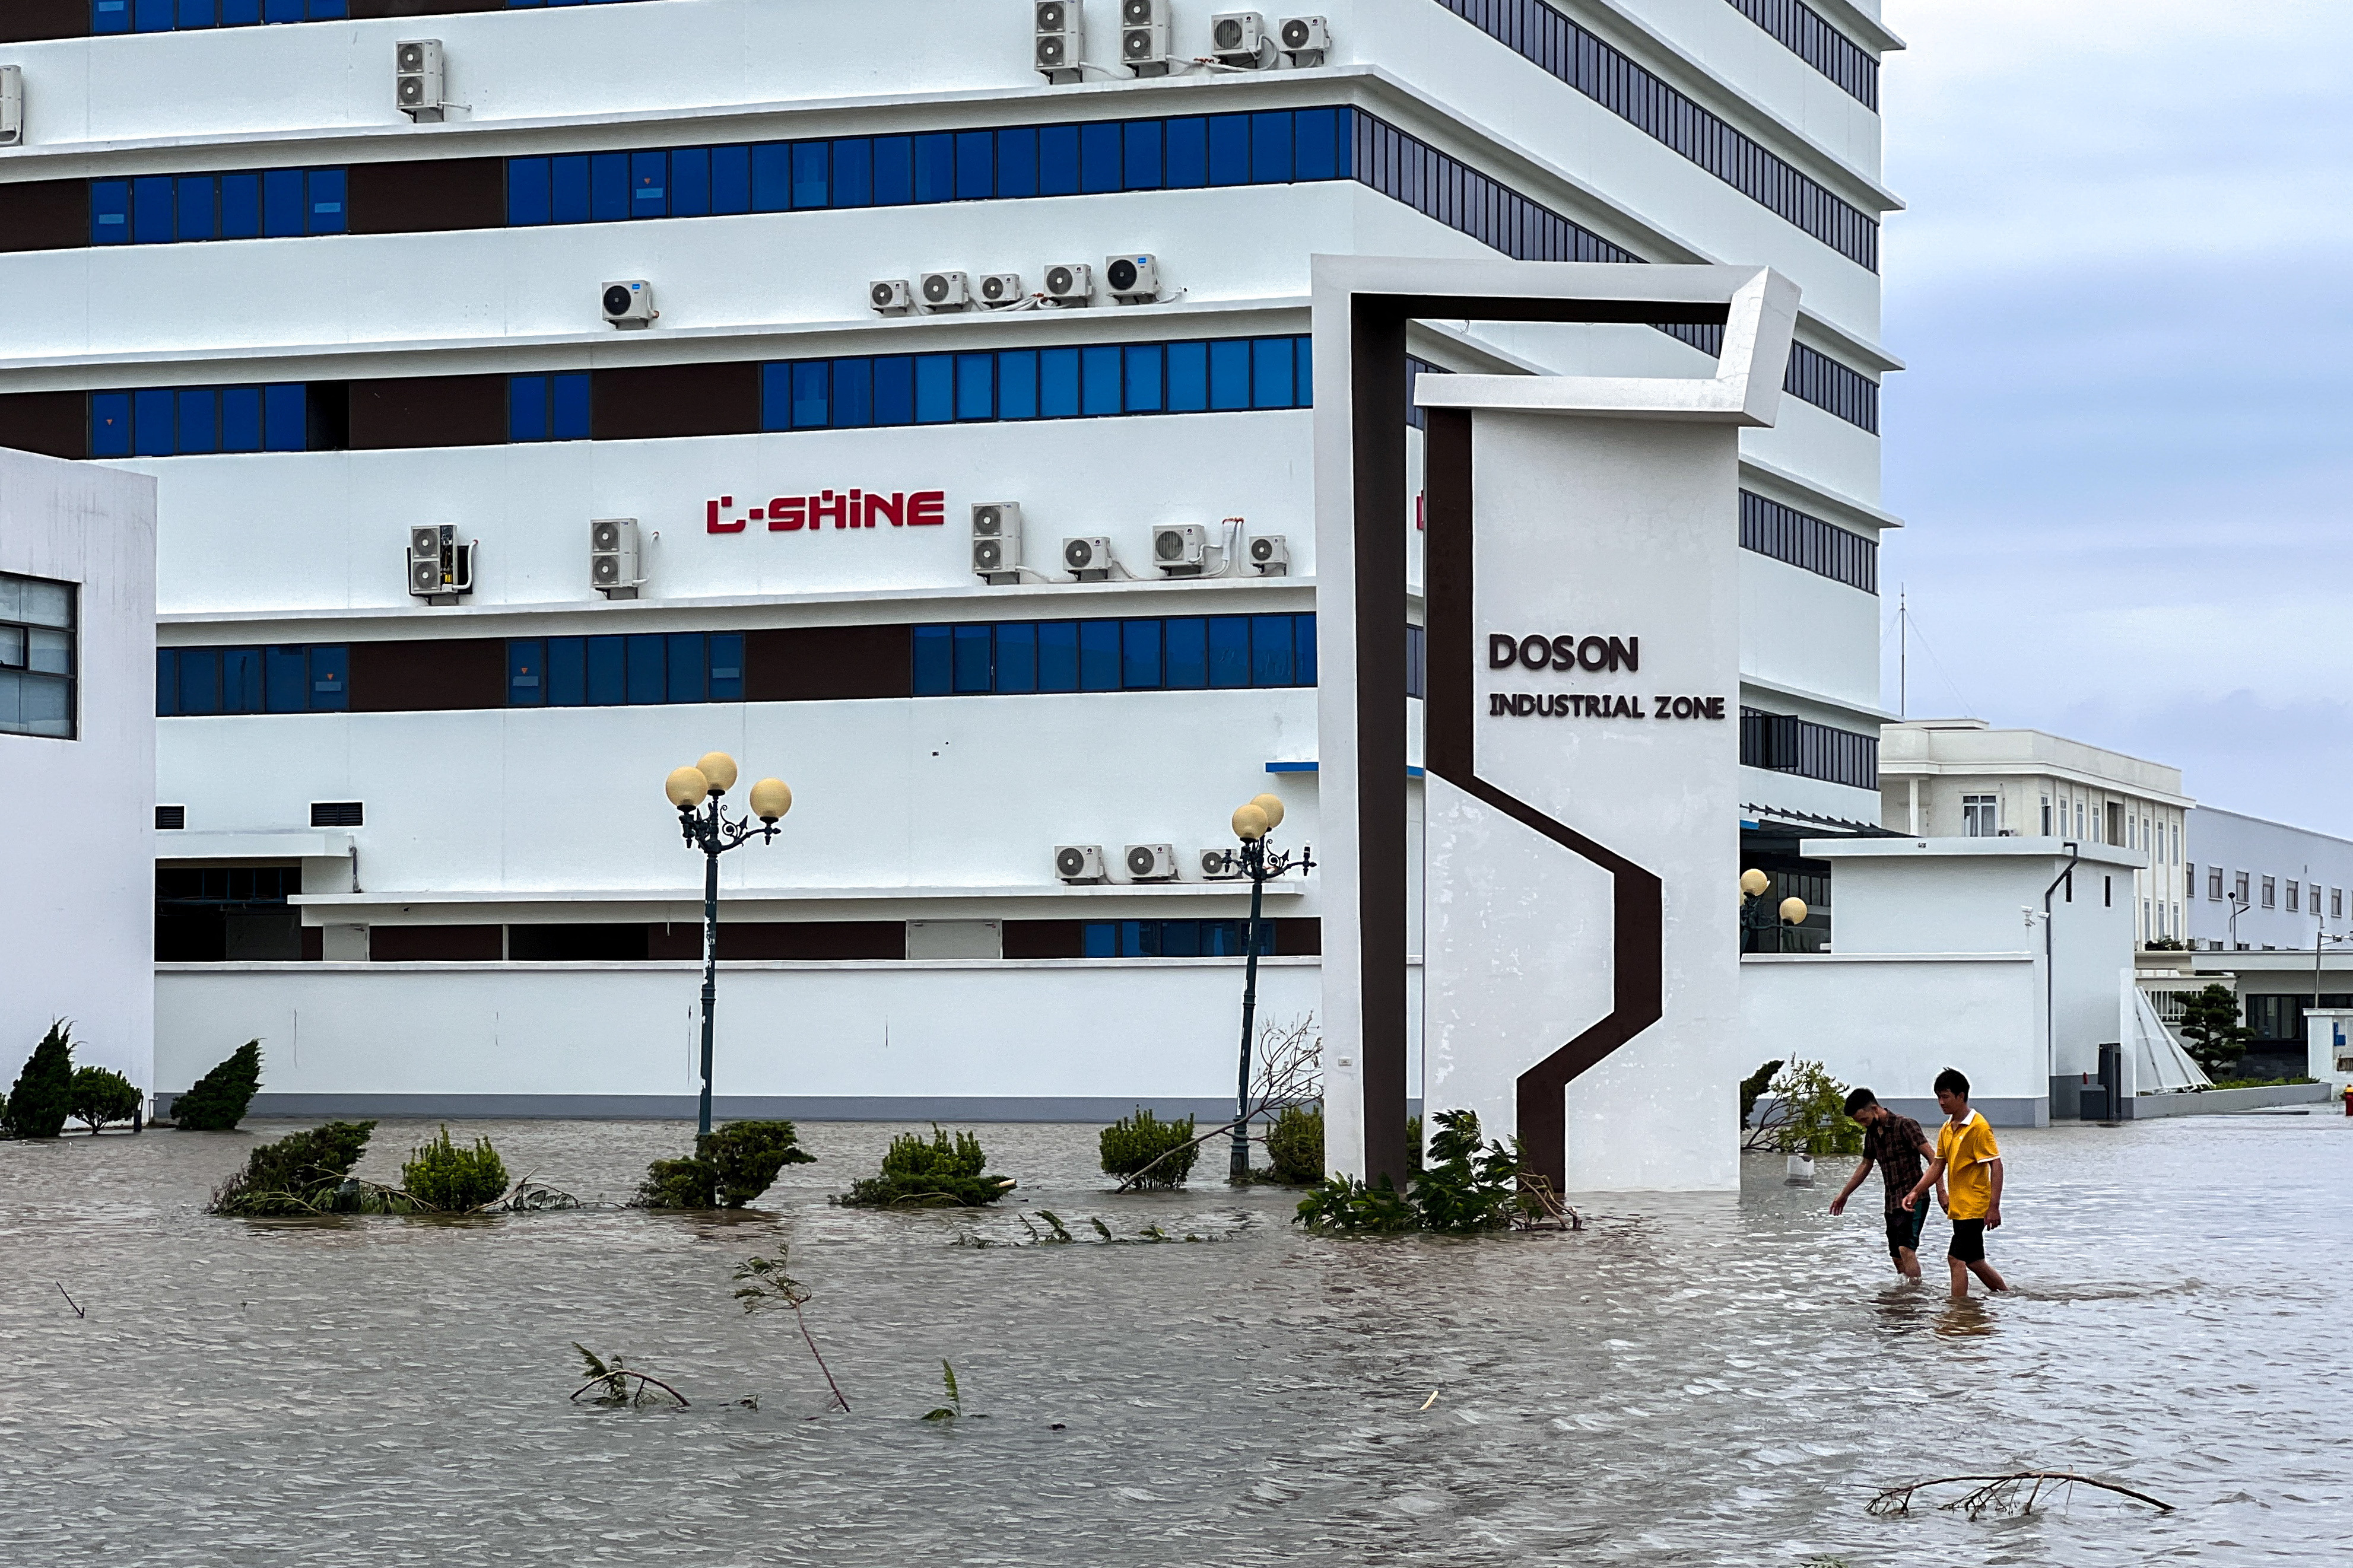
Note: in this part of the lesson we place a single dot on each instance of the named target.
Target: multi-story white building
(346, 287)
(2258, 886)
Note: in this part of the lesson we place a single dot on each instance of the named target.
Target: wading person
(1897, 1147)
(1966, 1173)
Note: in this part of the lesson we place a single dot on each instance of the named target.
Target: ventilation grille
(171, 816)
(335, 814)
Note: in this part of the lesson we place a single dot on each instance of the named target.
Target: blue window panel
(935, 662)
(1139, 654)
(1102, 938)
(282, 10)
(936, 167)
(568, 187)
(1189, 377)
(193, 207)
(772, 177)
(649, 184)
(281, 202)
(1271, 148)
(776, 396)
(240, 206)
(155, 421)
(1189, 653)
(1099, 157)
(1101, 380)
(110, 425)
(607, 672)
(567, 672)
(568, 415)
(1273, 650)
(330, 678)
(894, 170)
(1180, 938)
(286, 417)
(689, 182)
(199, 680)
(1315, 135)
(812, 394)
(527, 408)
(1303, 640)
(241, 420)
(731, 179)
(1302, 392)
(196, 14)
(151, 15)
(608, 186)
(241, 681)
(167, 683)
(1229, 160)
(727, 667)
(1144, 395)
(1344, 160)
(976, 165)
(1057, 161)
(1140, 166)
(199, 420)
(853, 394)
(1139, 938)
(853, 173)
(1058, 656)
(242, 13)
(971, 656)
(976, 387)
(894, 389)
(935, 389)
(1016, 657)
(109, 212)
(286, 679)
(326, 204)
(1057, 383)
(1017, 383)
(689, 669)
(110, 16)
(1188, 142)
(1229, 656)
(1099, 656)
(1273, 362)
(649, 681)
(1229, 374)
(1017, 163)
(812, 173)
(526, 672)
(328, 10)
(153, 203)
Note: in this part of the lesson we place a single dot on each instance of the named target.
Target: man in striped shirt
(1897, 1146)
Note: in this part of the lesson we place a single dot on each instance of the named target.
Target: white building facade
(411, 785)
(2261, 886)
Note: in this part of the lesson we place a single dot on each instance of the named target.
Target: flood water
(1693, 1380)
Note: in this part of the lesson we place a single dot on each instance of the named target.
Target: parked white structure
(2257, 886)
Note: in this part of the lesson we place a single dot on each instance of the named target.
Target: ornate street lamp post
(704, 823)
(1252, 823)
(1757, 917)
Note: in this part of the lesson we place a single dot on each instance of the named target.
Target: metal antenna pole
(1902, 652)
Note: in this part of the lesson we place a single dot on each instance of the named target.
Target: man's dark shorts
(1904, 1229)
(1968, 1241)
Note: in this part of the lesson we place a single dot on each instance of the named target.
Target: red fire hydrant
(2348, 1100)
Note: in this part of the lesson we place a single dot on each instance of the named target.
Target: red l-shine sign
(844, 508)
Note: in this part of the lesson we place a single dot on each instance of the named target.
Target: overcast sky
(2121, 449)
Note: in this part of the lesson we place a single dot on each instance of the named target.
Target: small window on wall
(2115, 824)
(37, 656)
(2336, 903)
(2293, 906)
(2214, 884)
(2239, 888)
(1979, 816)
(2046, 817)
(2270, 892)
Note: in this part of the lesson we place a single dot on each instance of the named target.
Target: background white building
(402, 814)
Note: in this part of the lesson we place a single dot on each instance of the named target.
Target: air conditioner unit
(416, 83)
(1002, 289)
(946, 291)
(1270, 556)
(891, 296)
(1223, 865)
(1088, 559)
(440, 568)
(1239, 39)
(11, 106)
(1131, 280)
(1070, 283)
(997, 541)
(1079, 862)
(616, 559)
(1061, 39)
(1183, 551)
(629, 304)
(1304, 39)
(1152, 862)
(1143, 36)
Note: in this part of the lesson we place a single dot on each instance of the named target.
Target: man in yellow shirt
(1966, 1173)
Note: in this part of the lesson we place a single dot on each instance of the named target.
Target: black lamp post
(1252, 823)
(703, 821)
(1758, 915)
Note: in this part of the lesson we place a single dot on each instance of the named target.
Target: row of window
(1539, 33)
(634, 670)
(167, 422)
(194, 681)
(1175, 939)
(264, 204)
(2114, 822)
(2296, 892)
(1176, 653)
(1801, 30)
(111, 17)
(1788, 744)
(1808, 542)
(37, 656)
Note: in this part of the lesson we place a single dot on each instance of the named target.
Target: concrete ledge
(1999, 1110)
(2222, 1101)
(1095, 1110)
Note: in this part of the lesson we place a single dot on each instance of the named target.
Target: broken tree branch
(2000, 1493)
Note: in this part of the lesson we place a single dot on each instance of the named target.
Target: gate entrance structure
(1581, 717)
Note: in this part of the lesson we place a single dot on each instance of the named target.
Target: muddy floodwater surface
(1693, 1380)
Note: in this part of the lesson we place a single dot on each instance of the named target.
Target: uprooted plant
(728, 1169)
(1057, 1234)
(623, 1385)
(930, 1173)
(302, 1174)
(1460, 1189)
(2016, 1492)
(762, 1283)
(1804, 1113)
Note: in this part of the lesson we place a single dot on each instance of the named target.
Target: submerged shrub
(101, 1095)
(218, 1100)
(42, 1097)
(447, 1179)
(934, 1172)
(301, 1173)
(1459, 1189)
(730, 1167)
(1295, 1145)
(1155, 1153)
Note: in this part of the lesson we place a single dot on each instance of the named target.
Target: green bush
(450, 1180)
(42, 1097)
(1808, 1115)
(1295, 1145)
(218, 1103)
(301, 1173)
(729, 1167)
(1755, 1085)
(1131, 1145)
(934, 1172)
(1461, 1190)
(2210, 1029)
(101, 1095)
